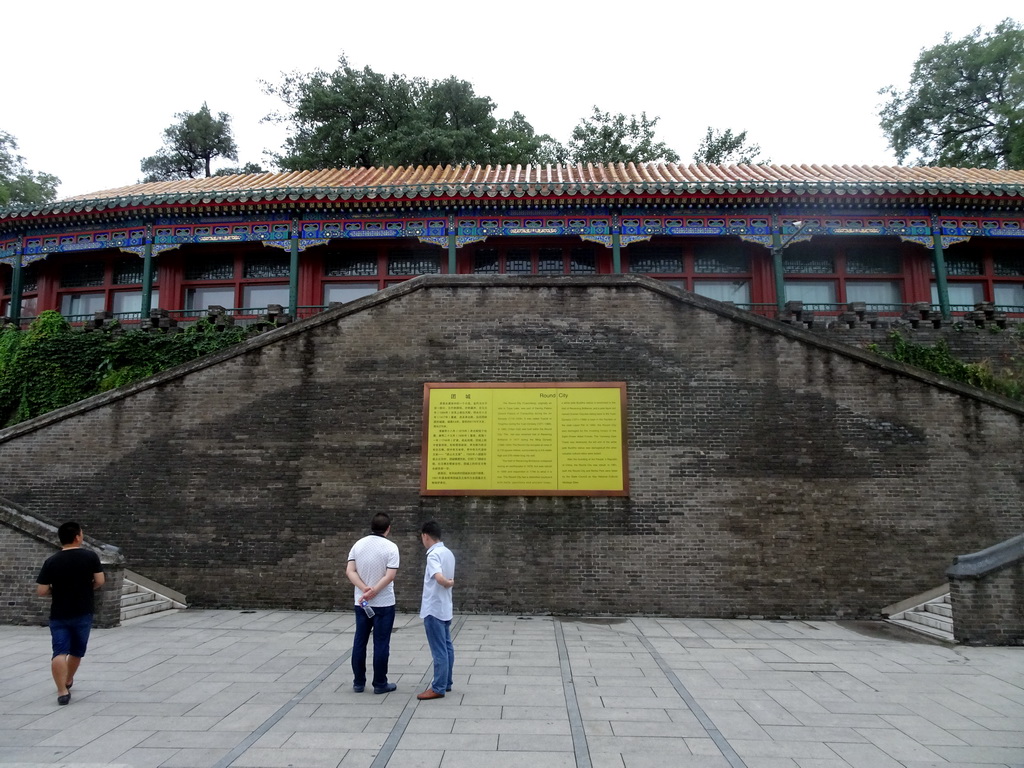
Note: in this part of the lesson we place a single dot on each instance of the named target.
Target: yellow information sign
(556, 439)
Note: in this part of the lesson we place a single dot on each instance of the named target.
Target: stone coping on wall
(977, 565)
(480, 282)
(46, 532)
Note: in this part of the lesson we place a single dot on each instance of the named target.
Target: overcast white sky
(91, 86)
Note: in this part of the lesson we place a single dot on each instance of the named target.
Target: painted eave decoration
(472, 182)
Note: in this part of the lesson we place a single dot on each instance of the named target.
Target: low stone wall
(987, 593)
(25, 542)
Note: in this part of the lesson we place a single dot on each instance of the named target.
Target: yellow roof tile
(548, 180)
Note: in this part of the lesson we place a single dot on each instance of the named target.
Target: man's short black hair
(380, 523)
(68, 532)
(432, 529)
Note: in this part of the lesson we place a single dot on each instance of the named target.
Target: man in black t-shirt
(69, 577)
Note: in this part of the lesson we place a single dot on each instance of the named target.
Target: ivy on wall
(1008, 382)
(51, 364)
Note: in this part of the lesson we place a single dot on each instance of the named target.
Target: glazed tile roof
(543, 181)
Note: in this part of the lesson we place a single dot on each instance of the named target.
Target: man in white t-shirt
(372, 567)
(436, 609)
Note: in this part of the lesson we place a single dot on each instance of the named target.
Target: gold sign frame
(524, 439)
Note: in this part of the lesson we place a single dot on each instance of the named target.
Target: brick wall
(989, 610)
(25, 542)
(774, 472)
(987, 592)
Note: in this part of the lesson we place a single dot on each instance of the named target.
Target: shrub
(1008, 382)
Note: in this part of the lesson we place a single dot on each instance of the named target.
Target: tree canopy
(241, 170)
(190, 146)
(607, 138)
(359, 117)
(964, 105)
(718, 147)
(18, 184)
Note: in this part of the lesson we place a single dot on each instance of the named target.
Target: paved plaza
(271, 689)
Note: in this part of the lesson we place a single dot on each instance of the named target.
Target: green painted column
(147, 276)
(293, 276)
(616, 246)
(15, 309)
(452, 245)
(940, 273)
(780, 277)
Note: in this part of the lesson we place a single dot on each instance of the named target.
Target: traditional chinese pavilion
(755, 235)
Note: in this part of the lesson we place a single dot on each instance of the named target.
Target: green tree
(359, 117)
(607, 138)
(552, 151)
(244, 170)
(450, 123)
(720, 147)
(965, 102)
(190, 146)
(18, 184)
(516, 142)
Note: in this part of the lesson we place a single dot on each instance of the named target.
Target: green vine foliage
(938, 359)
(51, 364)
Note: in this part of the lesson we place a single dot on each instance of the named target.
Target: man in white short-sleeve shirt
(372, 567)
(436, 609)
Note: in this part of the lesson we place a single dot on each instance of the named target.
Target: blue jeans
(380, 625)
(70, 636)
(439, 637)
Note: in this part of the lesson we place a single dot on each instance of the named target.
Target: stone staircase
(930, 613)
(142, 597)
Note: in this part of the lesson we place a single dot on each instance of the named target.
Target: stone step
(135, 598)
(155, 605)
(138, 600)
(930, 613)
(932, 620)
(943, 608)
(923, 629)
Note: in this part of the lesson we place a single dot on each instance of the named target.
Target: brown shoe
(429, 694)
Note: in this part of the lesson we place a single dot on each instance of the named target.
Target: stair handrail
(979, 564)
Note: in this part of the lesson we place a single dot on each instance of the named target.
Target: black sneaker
(385, 689)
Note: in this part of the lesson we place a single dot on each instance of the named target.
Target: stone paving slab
(272, 689)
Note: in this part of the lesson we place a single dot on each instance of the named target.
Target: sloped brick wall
(25, 542)
(773, 472)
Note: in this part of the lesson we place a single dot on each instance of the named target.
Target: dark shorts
(70, 636)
